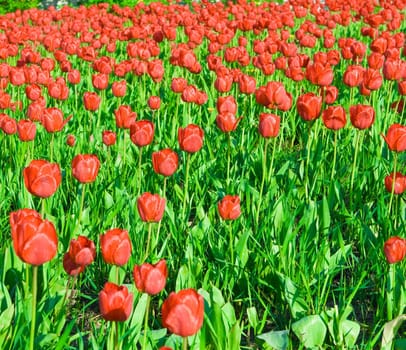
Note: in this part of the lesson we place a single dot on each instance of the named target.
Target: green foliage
(7, 6)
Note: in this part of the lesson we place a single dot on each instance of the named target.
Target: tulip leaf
(278, 340)
(252, 317)
(310, 330)
(234, 337)
(6, 317)
(389, 332)
(293, 296)
(241, 248)
(351, 331)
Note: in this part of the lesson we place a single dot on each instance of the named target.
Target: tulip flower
(183, 312)
(165, 162)
(26, 130)
(115, 302)
(91, 101)
(154, 102)
(150, 279)
(119, 88)
(116, 246)
(85, 167)
(70, 140)
(309, 106)
(334, 117)
(109, 137)
(362, 116)
(35, 242)
(395, 249)
(42, 178)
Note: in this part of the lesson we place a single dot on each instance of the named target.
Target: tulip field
(204, 175)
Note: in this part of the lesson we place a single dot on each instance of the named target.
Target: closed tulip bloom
(119, 88)
(34, 240)
(319, 74)
(85, 167)
(70, 140)
(109, 137)
(154, 102)
(70, 267)
(26, 130)
(269, 125)
(334, 117)
(124, 117)
(142, 132)
(396, 138)
(52, 119)
(100, 81)
(35, 111)
(400, 183)
(190, 138)
(33, 92)
(42, 178)
(247, 84)
(226, 104)
(82, 251)
(150, 279)
(402, 87)
(353, 75)
(227, 122)
(165, 162)
(229, 207)
(151, 207)
(178, 85)
(362, 116)
(395, 249)
(309, 106)
(8, 124)
(330, 94)
(115, 302)
(183, 312)
(116, 246)
(74, 76)
(223, 83)
(91, 100)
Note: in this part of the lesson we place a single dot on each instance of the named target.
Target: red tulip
(150, 279)
(269, 125)
(100, 81)
(330, 94)
(178, 85)
(85, 167)
(190, 138)
(183, 312)
(91, 100)
(35, 111)
(70, 267)
(74, 76)
(52, 119)
(396, 138)
(229, 207)
(26, 130)
(34, 239)
(33, 92)
(8, 124)
(16, 76)
(42, 178)
(151, 207)
(274, 95)
(142, 132)
(400, 183)
(119, 88)
(334, 117)
(115, 302)
(154, 102)
(109, 137)
(226, 104)
(309, 106)
(395, 249)
(319, 74)
(227, 122)
(246, 84)
(116, 246)
(402, 87)
(362, 116)
(223, 83)
(70, 140)
(165, 162)
(82, 251)
(58, 90)
(124, 117)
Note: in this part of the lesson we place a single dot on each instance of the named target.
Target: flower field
(204, 176)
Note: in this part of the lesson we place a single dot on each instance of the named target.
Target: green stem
(148, 240)
(184, 343)
(43, 208)
(34, 304)
(51, 147)
(82, 201)
(186, 197)
(230, 227)
(116, 344)
(333, 168)
(144, 343)
(395, 163)
(272, 160)
(309, 146)
(160, 221)
(390, 291)
(354, 165)
(139, 169)
(124, 147)
(228, 160)
(263, 179)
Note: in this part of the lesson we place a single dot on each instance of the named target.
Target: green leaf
(350, 331)
(310, 330)
(278, 340)
(6, 317)
(241, 248)
(292, 295)
(389, 332)
(234, 337)
(252, 317)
